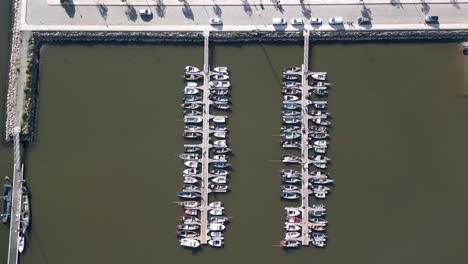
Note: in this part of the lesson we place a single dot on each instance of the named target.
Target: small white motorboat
(189, 156)
(217, 211)
(220, 180)
(219, 119)
(216, 227)
(223, 70)
(21, 244)
(190, 172)
(190, 90)
(219, 172)
(292, 227)
(220, 157)
(319, 76)
(190, 204)
(220, 143)
(216, 234)
(192, 84)
(318, 221)
(193, 119)
(216, 204)
(292, 212)
(191, 164)
(191, 243)
(220, 84)
(216, 242)
(191, 69)
(220, 134)
(290, 235)
(190, 180)
(318, 243)
(290, 98)
(220, 77)
(291, 243)
(321, 143)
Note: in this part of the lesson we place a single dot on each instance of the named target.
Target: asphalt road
(390, 16)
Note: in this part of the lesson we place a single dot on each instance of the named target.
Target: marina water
(104, 170)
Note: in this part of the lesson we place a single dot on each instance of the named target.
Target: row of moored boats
(213, 151)
(305, 133)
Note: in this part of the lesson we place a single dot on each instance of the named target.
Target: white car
(297, 21)
(145, 12)
(316, 21)
(335, 21)
(279, 21)
(215, 21)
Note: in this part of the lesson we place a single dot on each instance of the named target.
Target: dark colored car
(364, 21)
(431, 20)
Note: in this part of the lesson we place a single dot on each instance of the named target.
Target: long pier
(15, 217)
(205, 142)
(305, 144)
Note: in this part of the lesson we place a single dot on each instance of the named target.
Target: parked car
(216, 21)
(279, 21)
(297, 21)
(316, 21)
(145, 12)
(431, 19)
(335, 21)
(364, 21)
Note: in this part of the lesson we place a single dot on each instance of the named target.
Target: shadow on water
(366, 12)
(425, 8)
(455, 4)
(160, 8)
(131, 13)
(69, 7)
(217, 10)
(396, 3)
(306, 10)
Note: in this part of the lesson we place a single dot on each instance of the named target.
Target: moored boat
(190, 172)
(191, 69)
(217, 211)
(219, 84)
(188, 227)
(290, 144)
(290, 98)
(291, 243)
(291, 106)
(289, 235)
(216, 242)
(25, 210)
(21, 243)
(220, 77)
(290, 195)
(289, 158)
(222, 69)
(193, 119)
(292, 227)
(291, 120)
(289, 172)
(219, 172)
(189, 156)
(187, 234)
(189, 195)
(191, 164)
(192, 76)
(6, 203)
(191, 243)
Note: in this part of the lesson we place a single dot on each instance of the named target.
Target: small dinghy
(190, 243)
(191, 164)
(189, 227)
(290, 98)
(291, 106)
(292, 212)
(216, 242)
(220, 77)
(190, 180)
(219, 84)
(217, 211)
(290, 173)
(187, 234)
(216, 204)
(290, 235)
(192, 76)
(193, 119)
(223, 70)
(219, 172)
(191, 69)
(219, 180)
(290, 243)
(292, 227)
(291, 120)
(290, 195)
(190, 172)
(216, 227)
(189, 195)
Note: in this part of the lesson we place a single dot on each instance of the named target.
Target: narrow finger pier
(305, 137)
(206, 101)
